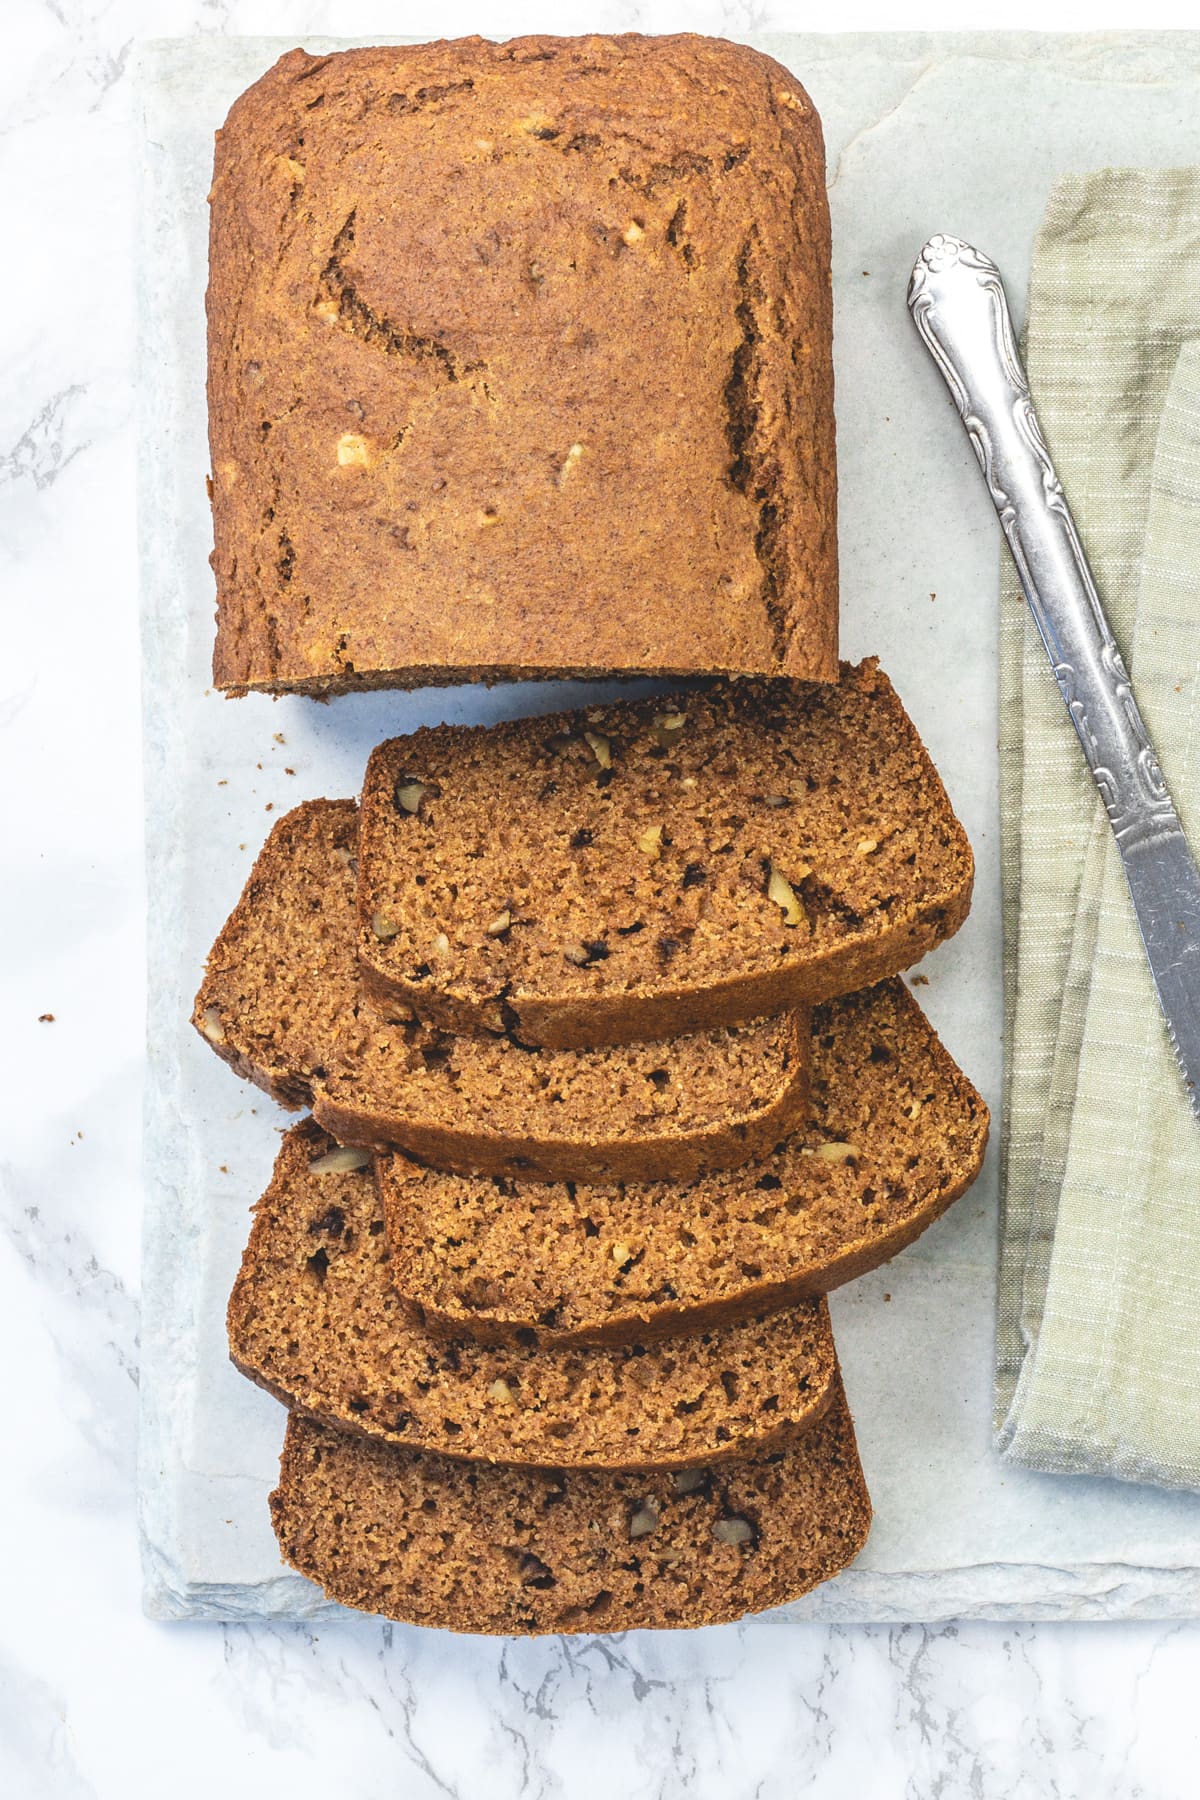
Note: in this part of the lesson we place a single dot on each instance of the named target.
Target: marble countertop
(94, 1699)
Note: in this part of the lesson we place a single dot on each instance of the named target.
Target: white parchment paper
(924, 133)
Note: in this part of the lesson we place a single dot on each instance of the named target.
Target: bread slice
(281, 1002)
(657, 866)
(315, 1319)
(431, 1541)
(897, 1132)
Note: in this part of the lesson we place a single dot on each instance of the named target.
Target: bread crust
(435, 415)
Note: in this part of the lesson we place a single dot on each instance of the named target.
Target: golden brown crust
(432, 1542)
(436, 416)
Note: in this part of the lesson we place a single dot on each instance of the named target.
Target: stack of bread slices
(611, 1080)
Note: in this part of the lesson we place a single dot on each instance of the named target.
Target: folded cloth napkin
(1098, 1332)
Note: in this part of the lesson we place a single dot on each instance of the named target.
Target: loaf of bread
(656, 866)
(520, 364)
(314, 1318)
(430, 1541)
(281, 1002)
(895, 1134)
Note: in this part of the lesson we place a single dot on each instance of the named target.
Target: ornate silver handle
(957, 302)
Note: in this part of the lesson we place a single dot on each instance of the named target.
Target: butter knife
(957, 301)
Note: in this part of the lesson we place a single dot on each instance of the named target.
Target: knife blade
(957, 301)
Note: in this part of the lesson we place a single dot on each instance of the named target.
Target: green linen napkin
(1098, 1335)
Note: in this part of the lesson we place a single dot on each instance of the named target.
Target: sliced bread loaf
(281, 1002)
(431, 1541)
(896, 1133)
(656, 866)
(315, 1319)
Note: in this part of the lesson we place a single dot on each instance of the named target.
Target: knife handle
(957, 301)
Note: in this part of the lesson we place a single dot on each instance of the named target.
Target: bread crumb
(918, 981)
(45, 1018)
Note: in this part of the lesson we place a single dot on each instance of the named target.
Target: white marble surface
(95, 1700)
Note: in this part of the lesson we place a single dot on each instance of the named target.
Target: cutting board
(925, 133)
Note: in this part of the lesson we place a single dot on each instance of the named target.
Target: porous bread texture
(315, 1319)
(896, 1133)
(656, 866)
(492, 327)
(281, 1002)
(430, 1541)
